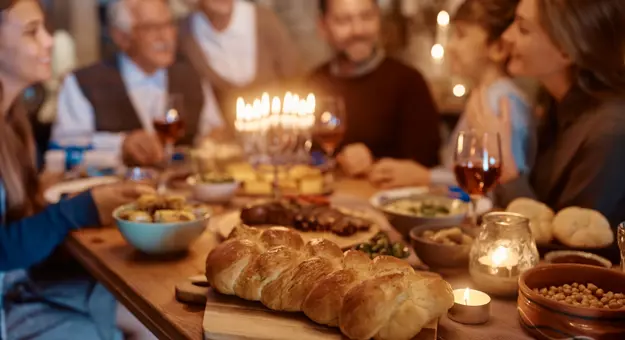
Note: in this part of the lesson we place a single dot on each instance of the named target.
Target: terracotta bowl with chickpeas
(566, 301)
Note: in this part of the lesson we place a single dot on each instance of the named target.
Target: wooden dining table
(145, 285)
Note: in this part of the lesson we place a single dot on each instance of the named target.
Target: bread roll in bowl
(540, 216)
(383, 299)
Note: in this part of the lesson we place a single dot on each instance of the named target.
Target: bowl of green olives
(381, 244)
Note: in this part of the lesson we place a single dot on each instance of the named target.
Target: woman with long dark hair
(29, 232)
(576, 50)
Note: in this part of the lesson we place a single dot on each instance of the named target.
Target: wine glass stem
(276, 183)
(473, 210)
(169, 153)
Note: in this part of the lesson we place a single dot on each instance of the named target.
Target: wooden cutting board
(232, 318)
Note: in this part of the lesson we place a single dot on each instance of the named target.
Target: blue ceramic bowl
(160, 238)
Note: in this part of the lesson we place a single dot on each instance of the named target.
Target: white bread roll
(582, 228)
(540, 216)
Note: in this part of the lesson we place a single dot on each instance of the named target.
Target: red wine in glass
(329, 140)
(169, 131)
(330, 123)
(477, 165)
(476, 179)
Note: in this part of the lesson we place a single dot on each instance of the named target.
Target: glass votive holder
(503, 250)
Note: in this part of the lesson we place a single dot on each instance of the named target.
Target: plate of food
(312, 218)
(292, 181)
(58, 191)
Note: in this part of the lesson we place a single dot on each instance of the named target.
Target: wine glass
(477, 165)
(330, 124)
(169, 126)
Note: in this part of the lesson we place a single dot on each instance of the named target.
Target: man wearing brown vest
(116, 101)
(238, 46)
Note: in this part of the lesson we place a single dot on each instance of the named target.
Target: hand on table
(393, 173)
(142, 148)
(355, 159)
(107, 198)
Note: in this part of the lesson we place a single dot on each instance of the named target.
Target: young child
(479, 55)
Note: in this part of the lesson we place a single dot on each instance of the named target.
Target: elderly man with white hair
(116, 101)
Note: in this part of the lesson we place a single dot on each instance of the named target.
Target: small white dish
(55, 193)
(213, 192)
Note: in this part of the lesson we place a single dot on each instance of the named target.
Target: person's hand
(142, 148)
(355, 159)
(107, 198)
(392, 173)
(48, 179)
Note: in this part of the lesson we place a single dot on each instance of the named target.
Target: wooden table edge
(156, 322)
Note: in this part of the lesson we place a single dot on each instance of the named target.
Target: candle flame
(500, 255)
(240, 108)
(265, 104)
(312, 103)
(276, 106)
(466, 296)
(287, 103)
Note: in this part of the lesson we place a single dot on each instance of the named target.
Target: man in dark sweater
(391, 115)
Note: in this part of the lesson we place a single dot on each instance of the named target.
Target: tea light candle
(471, 307)
(498, 272)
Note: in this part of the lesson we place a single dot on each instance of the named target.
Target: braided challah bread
(381, 299)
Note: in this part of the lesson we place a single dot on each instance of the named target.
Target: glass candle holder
(503, 250)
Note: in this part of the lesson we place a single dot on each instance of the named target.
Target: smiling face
(25, 45)
(151, 42)
(533, 52)
(352, 27)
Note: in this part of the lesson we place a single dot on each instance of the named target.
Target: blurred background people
(479, 55)
(117, 100)
(237, 45)
(390, 111)
(575, 49)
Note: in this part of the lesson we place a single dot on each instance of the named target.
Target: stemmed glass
(477, 165)
(170, 126)
(330, 125)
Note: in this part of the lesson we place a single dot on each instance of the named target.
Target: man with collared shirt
(117, 100)
(237, 46)
(391, 115)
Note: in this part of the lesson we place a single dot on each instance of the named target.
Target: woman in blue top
(29, 309)
(478, 54)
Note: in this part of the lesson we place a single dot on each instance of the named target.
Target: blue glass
(74, 154)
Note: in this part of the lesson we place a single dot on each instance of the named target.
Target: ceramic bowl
(547, 319)
(577, 257)
(160, 238)
(213, 192)
(438, 255)
(404, 222)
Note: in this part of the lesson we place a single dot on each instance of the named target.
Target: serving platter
(224, 224)
(232, 318)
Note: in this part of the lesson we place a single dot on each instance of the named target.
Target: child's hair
(495, 16)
